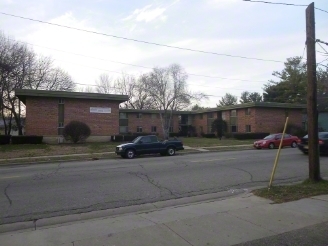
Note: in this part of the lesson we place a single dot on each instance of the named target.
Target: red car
(273, 141)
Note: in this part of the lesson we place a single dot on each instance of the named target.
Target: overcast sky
(231, 27)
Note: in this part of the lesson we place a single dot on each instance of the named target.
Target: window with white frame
(139, 128)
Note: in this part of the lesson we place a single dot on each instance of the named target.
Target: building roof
(22, 94)
(224, 108)
(251, 105)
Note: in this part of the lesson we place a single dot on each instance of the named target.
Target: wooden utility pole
(312, 112)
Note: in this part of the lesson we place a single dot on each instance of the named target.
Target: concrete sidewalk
(229, 221)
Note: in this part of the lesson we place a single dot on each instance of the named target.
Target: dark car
(323, 143)
(148, 145)
(273, 140)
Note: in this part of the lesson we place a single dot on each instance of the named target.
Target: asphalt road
(37, 191)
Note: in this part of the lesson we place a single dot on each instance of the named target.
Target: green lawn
(35, 150)
(286, 193)
(208, 142)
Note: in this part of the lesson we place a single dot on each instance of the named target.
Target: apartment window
(123, 116)
(123, 129)
(233, 113)
(61, 115)
(139, 128)
(210, 115)
(201, 116)
(248, 128)
(234, 129)
(248, 111)
(61, 101)
(139, 115)
(171, 129)
(153, 129)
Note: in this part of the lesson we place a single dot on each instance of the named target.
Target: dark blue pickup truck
(148, 145)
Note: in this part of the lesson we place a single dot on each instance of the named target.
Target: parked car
(148, 145)
(323, 143)
(273, 140)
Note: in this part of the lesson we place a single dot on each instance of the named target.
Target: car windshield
(136, 139)
(269, 137)
(320, 135)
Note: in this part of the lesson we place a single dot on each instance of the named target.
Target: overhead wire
(288, 4)
(129, 64)
(140, 41)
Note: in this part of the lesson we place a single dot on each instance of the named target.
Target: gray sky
(231, 27)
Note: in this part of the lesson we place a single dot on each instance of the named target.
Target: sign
(98, 110)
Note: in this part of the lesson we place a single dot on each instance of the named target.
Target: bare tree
(167, 87)
(133, 87)
(20, 68)
(104, 84)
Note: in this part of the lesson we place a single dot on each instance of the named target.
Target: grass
(286, 193)
(37, 150)
(209, 142)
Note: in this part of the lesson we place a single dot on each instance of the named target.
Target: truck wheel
(130, 154)
(170, 151)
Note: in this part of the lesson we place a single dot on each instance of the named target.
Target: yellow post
(278, 154)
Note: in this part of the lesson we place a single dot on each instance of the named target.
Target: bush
(76, 131)
(4, 139)
(26, 139)
(251, 135)
(295, 130)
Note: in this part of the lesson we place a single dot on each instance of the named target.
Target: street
(37, 191)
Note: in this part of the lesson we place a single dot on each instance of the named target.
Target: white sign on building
(98, 110)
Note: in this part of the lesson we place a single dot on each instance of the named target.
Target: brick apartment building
(47, 112)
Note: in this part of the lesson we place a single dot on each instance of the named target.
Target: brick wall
(245, 119)
(42, 116)
(199, 123)
(148, 120)
(100, 124)
(273, 119)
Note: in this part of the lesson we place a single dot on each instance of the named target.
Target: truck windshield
(136, 139)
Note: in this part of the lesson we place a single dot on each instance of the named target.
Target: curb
(103, 214)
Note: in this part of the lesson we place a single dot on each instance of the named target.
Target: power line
(322, 48)
(288, 4)
(140, 41)
(319, 41)
(129, 64)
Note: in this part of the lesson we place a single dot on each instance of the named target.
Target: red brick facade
(44, 111)
(42, 115)
(147, 120)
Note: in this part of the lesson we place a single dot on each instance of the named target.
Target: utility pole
(312, 112)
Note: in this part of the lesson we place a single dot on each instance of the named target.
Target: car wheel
(294, 144)
(271, 146)
(130, 154)
(170, 151)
